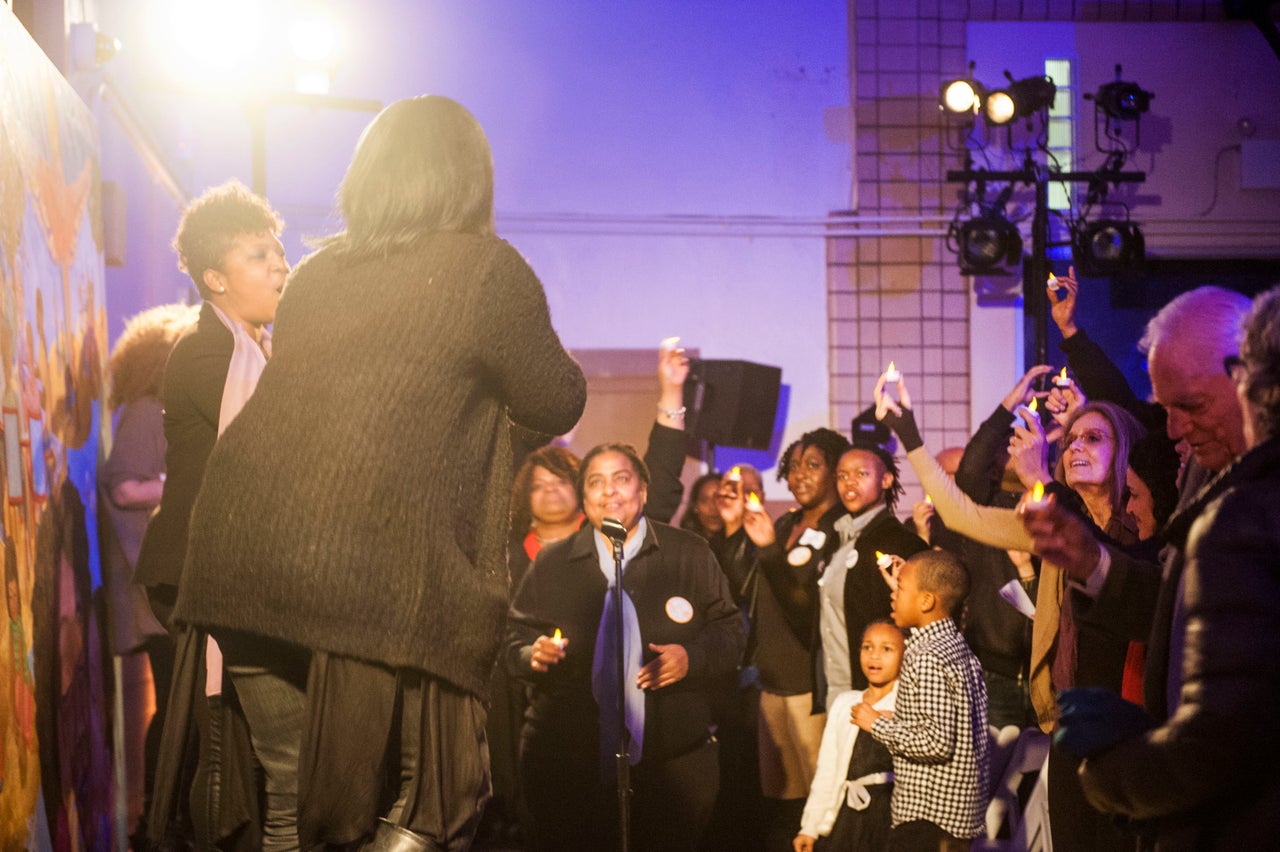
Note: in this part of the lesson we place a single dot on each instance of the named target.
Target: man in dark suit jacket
(1208, 775)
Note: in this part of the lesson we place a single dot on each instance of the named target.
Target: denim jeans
(270, 678)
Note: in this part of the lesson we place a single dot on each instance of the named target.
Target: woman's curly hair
(138, 361)
(211, 223)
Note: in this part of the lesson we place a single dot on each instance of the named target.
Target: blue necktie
(604, 681)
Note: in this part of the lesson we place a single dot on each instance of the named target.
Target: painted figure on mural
(19, 720)
(68, 681)
(53, 731)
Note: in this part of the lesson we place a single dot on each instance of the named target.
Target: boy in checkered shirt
(938, 733)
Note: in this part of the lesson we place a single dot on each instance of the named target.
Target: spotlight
(960, 97)
(1000, 108)
(1021, 98)
(1123, 101)
(1107, 246)
(88, 49)
(987, 241)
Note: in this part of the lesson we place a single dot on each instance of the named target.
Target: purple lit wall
(663, 124)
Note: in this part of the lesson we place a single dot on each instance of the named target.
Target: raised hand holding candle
(669, 344)
(1037, 499)
(884, 561)
(558, 638)
(1053, 284)
(1062, 380)
(753, 503)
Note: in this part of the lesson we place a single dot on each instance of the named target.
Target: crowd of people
(386, 611)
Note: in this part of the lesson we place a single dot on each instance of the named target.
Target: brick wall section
(901, 296)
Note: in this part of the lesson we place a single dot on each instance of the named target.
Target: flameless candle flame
(928, 499)
(1061, 380)
(892, 374)
(558, 638)
(669, 344)
(753, 503)
(1037, 492)
(1033, 408)
(1053, 282)
(735, 474)
(883, 560)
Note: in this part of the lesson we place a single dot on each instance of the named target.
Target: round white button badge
(679, 610)
(799, 555)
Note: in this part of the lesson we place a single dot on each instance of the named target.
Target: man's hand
(1060, 537)
(547, 652)
(670, 666)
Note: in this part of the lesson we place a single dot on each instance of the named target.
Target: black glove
(905, 428)
(1092, 719)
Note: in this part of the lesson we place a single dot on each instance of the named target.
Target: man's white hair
(1205, 322)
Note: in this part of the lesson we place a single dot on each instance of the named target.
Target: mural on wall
(53, 729)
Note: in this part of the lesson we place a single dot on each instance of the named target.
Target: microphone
(613, 530)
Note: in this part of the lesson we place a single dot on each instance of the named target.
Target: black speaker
(732, 403)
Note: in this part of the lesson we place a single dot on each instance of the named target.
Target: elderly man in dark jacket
(1187, 344)
(1209, 773)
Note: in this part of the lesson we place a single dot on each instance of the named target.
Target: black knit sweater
(358, 504)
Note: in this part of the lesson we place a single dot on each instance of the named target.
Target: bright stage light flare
(216, 42)
(314, 82)
(314, 39)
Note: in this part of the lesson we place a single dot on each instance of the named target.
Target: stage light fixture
(1019, 99)
(961, 96)
(986, 242)
(1000, 108)
(1122, 100)
(88, 49)
(1107, 246)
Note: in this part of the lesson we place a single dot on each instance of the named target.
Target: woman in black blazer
(228, 242)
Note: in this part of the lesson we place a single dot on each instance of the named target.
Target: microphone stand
(623, 758)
